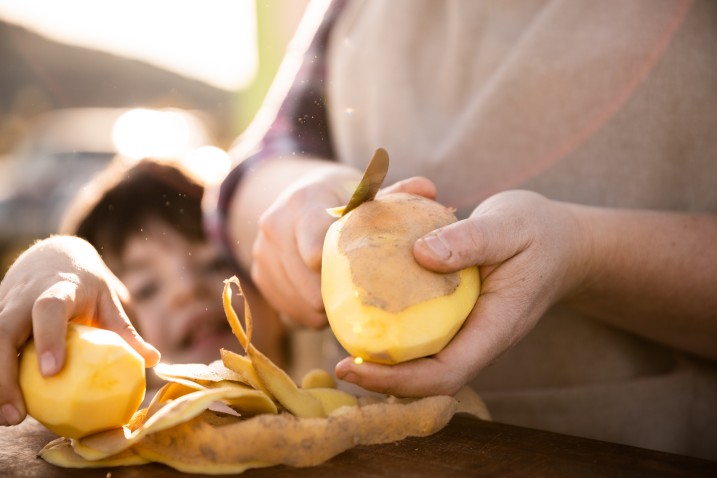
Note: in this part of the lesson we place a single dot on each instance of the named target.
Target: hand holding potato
(382, 305)
(533, 252)
(54, 281)
(524, 245)
(286, 255)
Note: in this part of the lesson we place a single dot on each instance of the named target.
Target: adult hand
(59, 279)
(526, 248)
(286, 263)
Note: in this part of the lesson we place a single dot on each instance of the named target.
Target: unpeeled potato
(381, 304)
(100, 387)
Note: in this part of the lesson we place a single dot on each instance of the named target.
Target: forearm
(651, 273)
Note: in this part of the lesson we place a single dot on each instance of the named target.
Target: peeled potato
(100, 387)
(382, 305)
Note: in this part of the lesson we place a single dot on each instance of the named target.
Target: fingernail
(48, 364)
(10, 414)
(436, 247)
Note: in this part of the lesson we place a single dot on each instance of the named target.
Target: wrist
(583, 270)
(260, 187)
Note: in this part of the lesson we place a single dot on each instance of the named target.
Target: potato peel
(108, 443)
(202, 377)
(191, 447)
(332, 399)
(243, 367)
(290, 440)
(248, 400)
(197, 372)
(274, 379)
(59, 452)
(170, 391)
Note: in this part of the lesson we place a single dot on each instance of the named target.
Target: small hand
(54, 281)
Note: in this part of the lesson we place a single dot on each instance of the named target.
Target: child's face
(176, 289)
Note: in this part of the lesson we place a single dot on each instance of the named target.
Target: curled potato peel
(274, 379)
(243, 366)
(198, 372)
(104, 444)
(60, 452)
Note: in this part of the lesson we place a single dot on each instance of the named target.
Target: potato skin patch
(378, 236)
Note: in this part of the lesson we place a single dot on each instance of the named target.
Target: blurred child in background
(132, 242)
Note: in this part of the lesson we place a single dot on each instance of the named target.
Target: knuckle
(469, 241)
(48, 305)
(477, 241)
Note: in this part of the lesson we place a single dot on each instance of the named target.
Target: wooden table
(466, 447)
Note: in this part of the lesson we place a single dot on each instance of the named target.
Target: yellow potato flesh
(100, 387)
(368, 323)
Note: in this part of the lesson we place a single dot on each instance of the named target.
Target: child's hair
(118, 202)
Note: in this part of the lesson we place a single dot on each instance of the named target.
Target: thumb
(480, 240)
(421, 377)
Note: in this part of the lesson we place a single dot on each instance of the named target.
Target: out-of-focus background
(82, 81)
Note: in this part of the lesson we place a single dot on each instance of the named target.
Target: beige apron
(603, 103)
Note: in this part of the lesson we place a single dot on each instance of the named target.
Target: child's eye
(145, 292)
